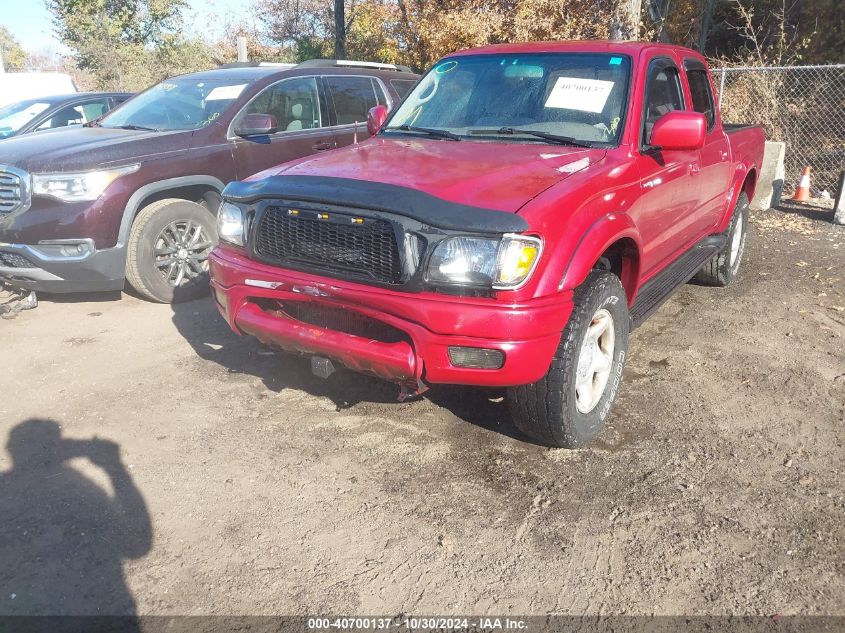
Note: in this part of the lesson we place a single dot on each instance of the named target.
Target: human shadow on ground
(209, 335)
(63, 537)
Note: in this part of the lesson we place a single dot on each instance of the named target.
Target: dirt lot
(245, 486)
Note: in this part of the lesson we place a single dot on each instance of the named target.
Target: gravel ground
(156, 462)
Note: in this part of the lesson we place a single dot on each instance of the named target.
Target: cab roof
(577, 46)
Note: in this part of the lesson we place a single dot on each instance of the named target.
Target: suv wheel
(568, 406)
(167, 259)
(723, 268)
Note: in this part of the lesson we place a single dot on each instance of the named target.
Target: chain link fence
(804, 106)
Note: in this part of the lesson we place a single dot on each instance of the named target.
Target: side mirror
(256, 124)
(376, 118)
(679, 130)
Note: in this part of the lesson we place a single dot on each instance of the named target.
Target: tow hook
(405, 390)
(322, 367)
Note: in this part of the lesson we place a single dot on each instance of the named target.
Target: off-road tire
(546, 410)
(720, 271)
(141, 272)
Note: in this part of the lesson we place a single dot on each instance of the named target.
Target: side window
(293, 103)
(71, 115)
(94, 109)
(702, 95)
(662, 94)
(403, 86)
(352, 97)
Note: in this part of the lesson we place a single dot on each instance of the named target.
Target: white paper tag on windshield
(221, 93)
(573, 93)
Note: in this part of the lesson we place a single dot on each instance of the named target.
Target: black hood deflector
(379, 196)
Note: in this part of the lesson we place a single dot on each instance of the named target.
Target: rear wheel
(724, 267)
(569, 405)
(167, 259)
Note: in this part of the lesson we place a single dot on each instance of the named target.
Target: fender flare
(740, 174)
(141, 193)
(604, 231)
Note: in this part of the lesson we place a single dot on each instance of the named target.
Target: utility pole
(242, 55)
(2, 65)
(339, 30)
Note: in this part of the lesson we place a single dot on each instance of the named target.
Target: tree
(14, 56)
(128, 44)
(339, 30)
(625, 21)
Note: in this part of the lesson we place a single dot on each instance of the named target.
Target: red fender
(604, 232)
(740, 174)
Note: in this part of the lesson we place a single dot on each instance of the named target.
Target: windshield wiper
(557, 138)
(133, 127)
(426, 130)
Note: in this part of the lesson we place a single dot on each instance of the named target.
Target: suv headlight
(502, 264)
(230, 223)
(78, 187)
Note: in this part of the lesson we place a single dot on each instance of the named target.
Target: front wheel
(568, 406)
(169, 245)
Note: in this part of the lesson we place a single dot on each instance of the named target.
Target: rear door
(350, 98)
(302, 126)
(666, 209)
(715, 176)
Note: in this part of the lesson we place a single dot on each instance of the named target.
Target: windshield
(176, 104)
(15, 116)
(521, 98)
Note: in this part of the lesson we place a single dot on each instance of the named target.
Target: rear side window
(402, 86)
(702, 95)
(663, 95)
(352, 97)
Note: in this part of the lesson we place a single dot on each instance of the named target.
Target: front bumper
(528, 332)
(54, 267)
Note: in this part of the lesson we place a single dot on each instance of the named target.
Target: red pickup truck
(516, 216)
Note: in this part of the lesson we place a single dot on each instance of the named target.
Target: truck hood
(499, 176)
(81, 149)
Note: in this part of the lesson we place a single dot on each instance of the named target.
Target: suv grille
(366, 249)
(13, 190)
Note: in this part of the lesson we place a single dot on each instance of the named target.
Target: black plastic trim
(378, 196)
(658, 289)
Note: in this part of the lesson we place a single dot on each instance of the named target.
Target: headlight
(518, 254)
(230, 223)
(501, 264)
(78, 187)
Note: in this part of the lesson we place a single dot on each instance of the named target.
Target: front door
(665, 211)
(301, 126)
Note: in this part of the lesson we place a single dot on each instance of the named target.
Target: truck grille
(14, 192)
(332, 242)
(13, 260)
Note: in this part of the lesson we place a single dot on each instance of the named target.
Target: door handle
(694, 169)
(319, 147)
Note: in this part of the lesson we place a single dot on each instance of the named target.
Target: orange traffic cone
(802, 194)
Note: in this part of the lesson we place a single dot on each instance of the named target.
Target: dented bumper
(398, 336)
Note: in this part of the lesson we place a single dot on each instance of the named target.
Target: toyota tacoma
(515, 217)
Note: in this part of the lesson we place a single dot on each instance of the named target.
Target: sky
(30, 22)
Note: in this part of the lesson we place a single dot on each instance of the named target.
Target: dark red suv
(133, 195)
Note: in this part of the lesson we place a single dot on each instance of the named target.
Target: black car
(49, 113)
